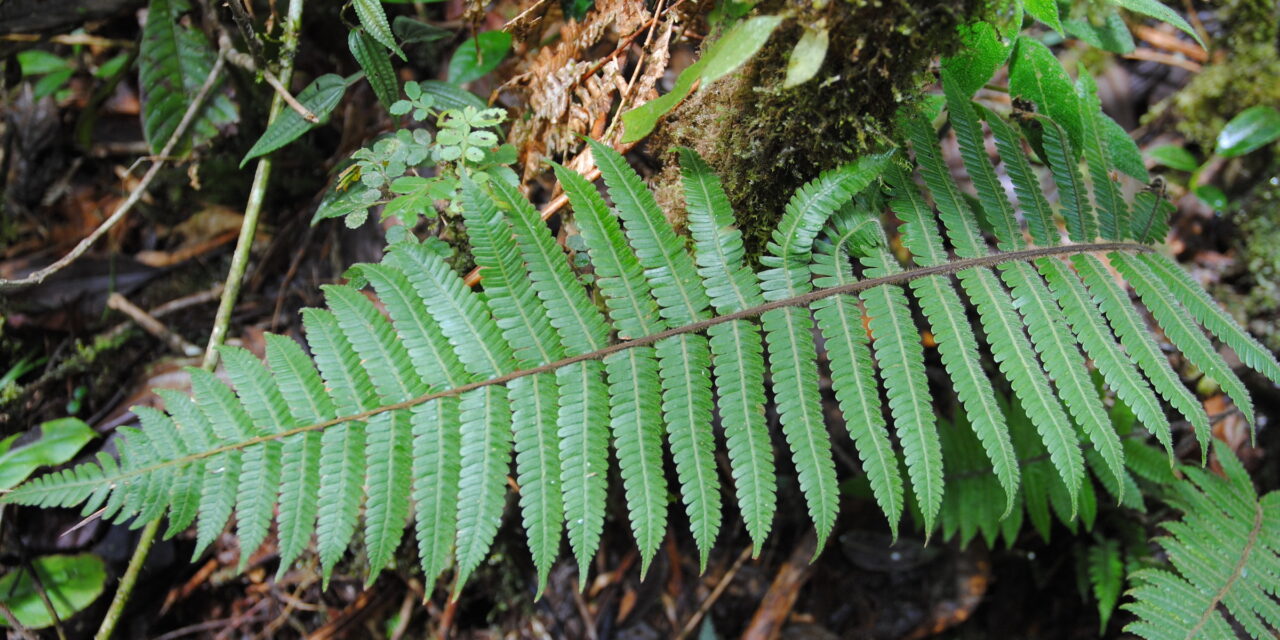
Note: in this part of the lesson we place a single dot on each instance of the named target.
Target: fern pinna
(414, 411)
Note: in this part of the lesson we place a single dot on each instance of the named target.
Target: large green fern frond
(1225, 553)
(411, 410)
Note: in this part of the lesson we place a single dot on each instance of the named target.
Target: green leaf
(374, 20)
(174, 62)
(1253, 128)
(807, 56)
(1212, 196)
(1111, 35)
(35, 62)
(70, 582)
(449, 96)
(1036, 75)
(412, 31)
(1160, 12)
(982, 53)
(479, 55)
(377, 66)
(60, 440)
(1125, 155)
(730, 51)
(1045, 11)
(321, 97)
(1174, 157)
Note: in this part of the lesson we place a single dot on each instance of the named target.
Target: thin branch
(1151, 55)
(14, 623)
(804, 300)
(151, 325)
(158, 163)
(245, 62)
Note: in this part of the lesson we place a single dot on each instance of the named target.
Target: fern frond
(900, 357)
(1009, 345)
(636, 421)
(342, 446)
(486, 455)
(996, 208)
(1082, 226)
(261, 465)
(1182, 331)
(736, 350)
(1212, 316)
(634, 388)
(1091, 330)
(1026, 184)
(193, 430)
(437, 471)
(534, 410)
(1140, 345)
(956, 343)
(1113, 214)
(684, 364)
(388, 437)
(1225, 553)
(853, 380)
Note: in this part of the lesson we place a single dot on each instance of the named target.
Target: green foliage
(1225, 552)
(60, 440)
(174, 62)
(479, 55)
(727, 53)
(419, 411)
(376, 64)
(320, 97)
(1251, 129)
(71, 583)
(374, 20)
(389, 172)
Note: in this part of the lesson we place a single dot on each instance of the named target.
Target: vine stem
(804, 300)
(230, 291)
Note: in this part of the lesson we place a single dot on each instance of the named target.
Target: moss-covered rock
(765, 141)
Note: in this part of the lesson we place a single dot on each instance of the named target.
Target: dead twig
(692, 625)
(136, 194)
(778, 601)
(1151, 55)
(152, 326)
(1166, 40)
(244, 61)
(14, 624)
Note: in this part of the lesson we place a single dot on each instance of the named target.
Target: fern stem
(230, 292)
(803, 300)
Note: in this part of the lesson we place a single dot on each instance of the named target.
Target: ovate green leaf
(478, 56)
(1252, 128)
(1160, 12)
(806, 57)
(978, 58)
(1174, 157)
(1045, 11)
(60, 440)
(70, 582)
(374, 20)
(1036, 75)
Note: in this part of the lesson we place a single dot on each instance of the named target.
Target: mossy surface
(765, 141)
(1246, 55)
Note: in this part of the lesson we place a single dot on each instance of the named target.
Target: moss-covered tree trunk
(765, 140)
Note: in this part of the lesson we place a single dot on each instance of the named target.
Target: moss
(765, 141)
(1258, 244)
(1245, 54)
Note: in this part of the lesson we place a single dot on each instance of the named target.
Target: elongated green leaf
(1251, 129)
(807, 56)
(1026, 184)
(373, 58)
(1212, 316)
(1140, 345)
(841, 322)
(375, 23)
(1182, 331)
(1045, 11)
(982, 53)
(684, 366)
(486, 455)
(451, 96)
(479, 55)
(1036, 75)
(584, 451)
(59, 441)
(534, 404)
(1113, 214)
(636, 421)
(1160, 12)
(437, 468)
(321, 97)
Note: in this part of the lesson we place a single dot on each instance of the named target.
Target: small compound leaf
(1252, 128)
(478, 56)
(321, 96)
(806, 57)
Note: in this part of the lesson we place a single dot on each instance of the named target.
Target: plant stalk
(231, 291)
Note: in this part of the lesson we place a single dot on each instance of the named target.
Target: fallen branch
(158, 162)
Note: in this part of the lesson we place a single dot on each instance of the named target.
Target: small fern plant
(415, 412)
